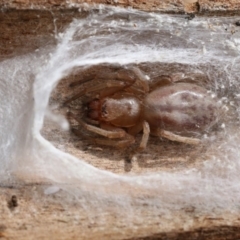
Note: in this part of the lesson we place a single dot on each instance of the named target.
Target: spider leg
(96, 88)
(113, 133)
(145, 136)
(134, 130)
(87, 76)
(83, 79)
(110, 86)
(110, 132)
(139, 78)
(143, 144)
(125, 142)
(146, 131)
(91, 121)
(174, 137)
(161, 81)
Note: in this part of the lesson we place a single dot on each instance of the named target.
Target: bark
(147, 5)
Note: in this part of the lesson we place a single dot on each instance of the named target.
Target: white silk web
(123, 36)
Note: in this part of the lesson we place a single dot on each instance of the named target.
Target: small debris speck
(237, 23)
(13, 202)
(190, 16)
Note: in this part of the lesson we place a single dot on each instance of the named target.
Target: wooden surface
(40, 216)
(147, 5)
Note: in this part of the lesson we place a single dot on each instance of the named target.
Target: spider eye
(104, 110)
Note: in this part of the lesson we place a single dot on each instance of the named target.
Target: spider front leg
(110, 84)
(113, 133)
(118, 143)
(107, 131)
(115, 82)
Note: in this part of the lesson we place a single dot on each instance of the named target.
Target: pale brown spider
(117, 106)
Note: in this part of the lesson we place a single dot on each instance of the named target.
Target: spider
(120, 105)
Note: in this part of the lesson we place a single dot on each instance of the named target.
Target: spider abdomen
(182, 107)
